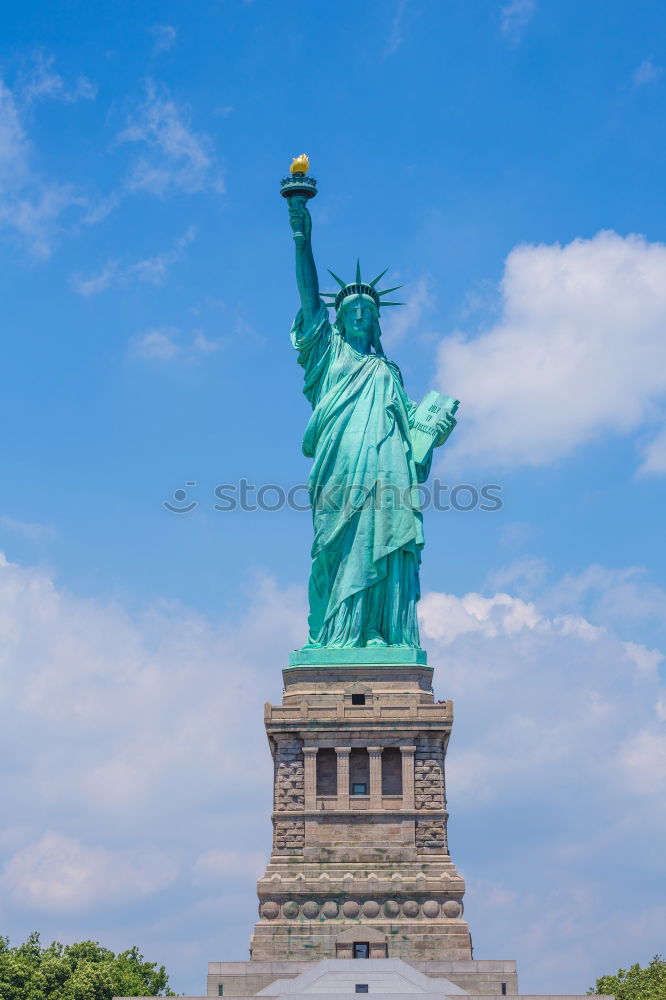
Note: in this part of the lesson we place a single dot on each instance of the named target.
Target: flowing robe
(363, 486)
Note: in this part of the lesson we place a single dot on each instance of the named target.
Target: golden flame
(300, 165)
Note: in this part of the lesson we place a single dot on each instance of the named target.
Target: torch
(298, 184)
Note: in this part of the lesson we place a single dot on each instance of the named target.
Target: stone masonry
(360, 855)
(289, 776)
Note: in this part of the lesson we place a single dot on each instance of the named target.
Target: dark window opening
(359, 788)
(220, 989)
(503, 989)
(358, 699)
(327, 772)
(362, 950)
(391, 771)
(361, 987)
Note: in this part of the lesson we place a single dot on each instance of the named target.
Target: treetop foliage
(81, 971)
(636, 983)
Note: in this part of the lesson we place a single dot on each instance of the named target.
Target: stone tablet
(424, 429)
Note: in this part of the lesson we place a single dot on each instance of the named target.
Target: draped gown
(363, 486)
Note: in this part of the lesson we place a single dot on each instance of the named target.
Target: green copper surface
(368, 531)
(378, 656)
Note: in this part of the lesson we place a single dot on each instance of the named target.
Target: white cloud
(157, 345)
(167, 343)
(557, 764)
(647, 72)
(406, 319)
(219, 865)
(515, 17)
(654, 455)
(41, 80)
(59, 874)
(578, 353)
(29, 529)
(102, 713)
(151, 269)
(446, 617)
(571, 691)
(165, 37)
(33, 209)
(643, 760)
(616, 597)
(177, 157)
(396, 36)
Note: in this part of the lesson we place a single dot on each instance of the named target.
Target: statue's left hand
(445, 425)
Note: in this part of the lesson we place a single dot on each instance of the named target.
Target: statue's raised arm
(306, 270)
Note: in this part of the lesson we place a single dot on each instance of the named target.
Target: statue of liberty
(363, 486)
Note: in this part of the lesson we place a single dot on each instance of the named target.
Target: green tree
(82, 971)
(636, 983)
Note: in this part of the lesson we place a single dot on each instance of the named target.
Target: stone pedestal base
(360, 858)
(475, 978)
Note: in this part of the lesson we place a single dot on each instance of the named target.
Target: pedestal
(360, 855)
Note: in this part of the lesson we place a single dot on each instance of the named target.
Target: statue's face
(359, 316)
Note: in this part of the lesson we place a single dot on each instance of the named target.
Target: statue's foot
(375, 639)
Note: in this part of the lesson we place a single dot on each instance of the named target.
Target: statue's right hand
(299, 217)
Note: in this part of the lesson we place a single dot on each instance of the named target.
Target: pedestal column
(310, 757)
(407, 776)
(375, 777)
(343, 776)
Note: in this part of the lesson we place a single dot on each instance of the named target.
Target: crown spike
(391, 304)
(358, 271)
(379, 277)
(339, 280)
(387, 290)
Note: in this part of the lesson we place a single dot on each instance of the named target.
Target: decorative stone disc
(270, 910)
(310, 909)
(290, 909)
(371, 908)
(351, 909)
(452, 908)
(330, 909)
(391, 908)
(431, 908)
(410, 908)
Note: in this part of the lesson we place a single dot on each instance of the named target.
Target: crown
(360, 287)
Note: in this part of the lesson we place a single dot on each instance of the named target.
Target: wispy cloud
(28, 529)
(164, 36)
(33, 208)
(646, 73)
(152, 270)
(515, 17)
(168, 344)
(396, 323)
(40, 80)
(654, 455)
(396, 34)
(59, 874)
(174, 157)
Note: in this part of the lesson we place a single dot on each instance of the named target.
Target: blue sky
(506, 159)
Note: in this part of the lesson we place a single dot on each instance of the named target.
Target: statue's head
(357, 306)
(358, 320)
